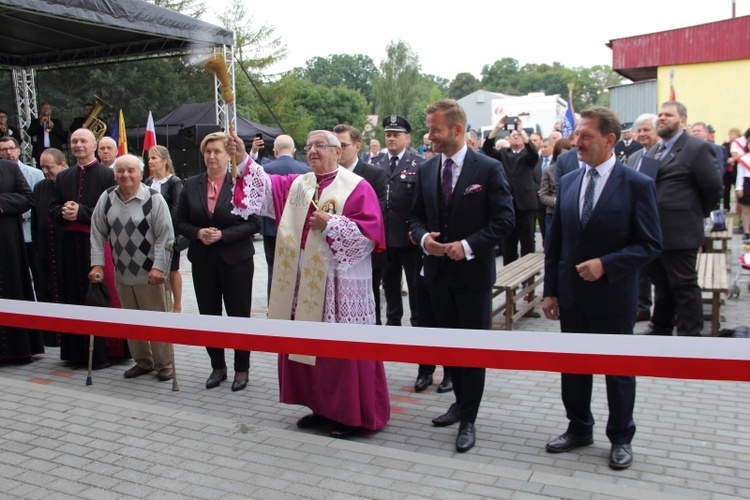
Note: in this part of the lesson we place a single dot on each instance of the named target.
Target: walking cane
(168, 293)
(98, 295)
(91, 359)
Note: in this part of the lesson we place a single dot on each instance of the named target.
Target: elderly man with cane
(136, 220)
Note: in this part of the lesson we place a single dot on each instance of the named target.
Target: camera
(511, 122)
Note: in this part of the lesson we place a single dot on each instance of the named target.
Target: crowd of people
(620, 208)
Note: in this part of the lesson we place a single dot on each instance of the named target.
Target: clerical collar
(326, 177)
(88, 164)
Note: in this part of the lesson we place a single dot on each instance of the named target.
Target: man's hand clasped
(453, 250)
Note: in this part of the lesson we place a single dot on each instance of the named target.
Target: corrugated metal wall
(630, 101)
(719, 41)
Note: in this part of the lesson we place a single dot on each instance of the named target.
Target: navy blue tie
(588, 197)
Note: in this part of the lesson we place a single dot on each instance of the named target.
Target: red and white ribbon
(673, 357)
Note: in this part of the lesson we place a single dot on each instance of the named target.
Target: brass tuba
(97, 127)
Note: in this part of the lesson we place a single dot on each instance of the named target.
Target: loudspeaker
(197, 132)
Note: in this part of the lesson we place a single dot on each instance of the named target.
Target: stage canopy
(49, 34)
(43, 34)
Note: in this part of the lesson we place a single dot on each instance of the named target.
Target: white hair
(645, 117)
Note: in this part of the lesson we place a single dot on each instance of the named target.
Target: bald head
(83, 146)
(283, 145)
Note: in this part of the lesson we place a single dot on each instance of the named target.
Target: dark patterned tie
(588, 197)
(447, 181)
(394, 160)
(659, 151)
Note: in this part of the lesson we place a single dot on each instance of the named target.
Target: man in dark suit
(646, 134)
(400, 167)
(351, 143)
(700, 130)
(628, 144)
(605, 227)
(46, 132)
(462, 209)
(566, 163)
(518, 162)
(284, 164)
(688, 187)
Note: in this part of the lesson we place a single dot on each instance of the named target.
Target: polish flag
(149, 140)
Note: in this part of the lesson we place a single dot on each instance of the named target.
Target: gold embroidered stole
(315, 263)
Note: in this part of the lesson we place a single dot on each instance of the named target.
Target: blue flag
(569, 121)
(115, 129)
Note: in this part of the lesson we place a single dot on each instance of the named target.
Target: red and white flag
(149, 140)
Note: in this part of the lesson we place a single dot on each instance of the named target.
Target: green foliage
(590, 84)
(398, 84)
(354, 72)
(257, 48)
(302, 106)
(462, 85)
(158, 85)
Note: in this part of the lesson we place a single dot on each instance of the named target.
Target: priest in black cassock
(76, 192)
(46, 235)
(16, 344)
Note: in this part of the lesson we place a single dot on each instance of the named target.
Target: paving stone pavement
(138, 439)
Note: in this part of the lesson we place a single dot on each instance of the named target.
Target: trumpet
(48, 123)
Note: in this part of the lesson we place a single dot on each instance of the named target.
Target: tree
(355, 72)
(501, 76)
(462, 85)
(302, 106)
(397, 85)
(256, 49)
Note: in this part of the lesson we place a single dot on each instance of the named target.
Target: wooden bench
(512, 280)
(722, 237)
(712, 278)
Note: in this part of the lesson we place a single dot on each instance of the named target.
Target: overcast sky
(573, 33)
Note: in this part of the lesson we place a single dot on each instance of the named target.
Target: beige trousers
(147, 355)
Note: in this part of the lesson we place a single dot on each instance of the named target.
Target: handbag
(718, 220)
(98, 295)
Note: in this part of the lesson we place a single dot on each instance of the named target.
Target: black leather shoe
(448, 418)
(467, 437)
(240, 381)
(657, 330)
(620, 456)
(311, 420)
(216, 377)
(446, 385)
(424, 380)
(342, 431)
(568, 441)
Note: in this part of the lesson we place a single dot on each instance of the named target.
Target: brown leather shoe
(136, 371)
(165, 374)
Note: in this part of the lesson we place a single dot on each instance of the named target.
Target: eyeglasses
(345, 145)
(318, 145)
(6, 150)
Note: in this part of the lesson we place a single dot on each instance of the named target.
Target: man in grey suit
(646, 134)
(284, 164)
(688, 187)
